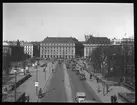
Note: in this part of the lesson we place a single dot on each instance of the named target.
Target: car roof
(81, 94)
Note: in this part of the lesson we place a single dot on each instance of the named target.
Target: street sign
(36, 84)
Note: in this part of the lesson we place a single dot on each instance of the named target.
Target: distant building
(60, 47)
(128, 43)
(31, 49)
(6, 49)
(93, 42)
(115, 41)
(36, 51)
(87, 37)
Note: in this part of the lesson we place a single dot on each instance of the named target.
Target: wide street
(57, 92)
(78, 85)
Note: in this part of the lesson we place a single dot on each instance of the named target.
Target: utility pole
(36, 80)
(15, 71)
(45, 72)
(15, 84)
(125, 58)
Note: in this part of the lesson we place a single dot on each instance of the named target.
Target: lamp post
(15, 71)
(36, 79)
(45, 71)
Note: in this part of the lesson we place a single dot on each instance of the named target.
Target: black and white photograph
(68, 52)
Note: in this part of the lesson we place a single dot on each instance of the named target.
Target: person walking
(115, 98)
(27, 97)
(90, 76)
(97, 80)
(112, 98)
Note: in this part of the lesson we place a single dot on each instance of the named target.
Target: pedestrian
(27, 98)
(40, 92)
(115, 98)
(112, 98)
(97, 80)
(90, 76)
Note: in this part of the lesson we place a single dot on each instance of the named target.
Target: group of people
(114, 99)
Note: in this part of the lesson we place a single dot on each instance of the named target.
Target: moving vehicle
(82, 74)
(80, 97)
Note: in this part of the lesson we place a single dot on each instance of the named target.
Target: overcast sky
(36, 21)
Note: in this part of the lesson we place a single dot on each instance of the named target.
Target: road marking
(67, 85)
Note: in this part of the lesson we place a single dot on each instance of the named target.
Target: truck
(81, 98)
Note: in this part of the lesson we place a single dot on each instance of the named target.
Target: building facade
(60, 47)
(6, 49)
(94, 42)
(115, 41)
(31, 49)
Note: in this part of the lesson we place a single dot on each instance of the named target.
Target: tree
(6, 63)
(96, 58)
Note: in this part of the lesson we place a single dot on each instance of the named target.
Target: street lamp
(36, 78)
(15, 71)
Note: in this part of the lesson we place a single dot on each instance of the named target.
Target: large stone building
(60, 47)
(93, 42)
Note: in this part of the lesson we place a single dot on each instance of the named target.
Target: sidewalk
(29, 86)
(113, 89)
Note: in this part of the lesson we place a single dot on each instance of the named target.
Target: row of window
(59, 44)
(99, 42)
(28, 46)
(50, 56)
(58, 54)
(56, 51)
(28, 53)
(28, 50)
(56, 48)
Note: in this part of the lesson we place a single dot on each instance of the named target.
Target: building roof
(11, 43)
(5, 44)
(127, 39)
(98, 40)
(60, 40)
(26, 44)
